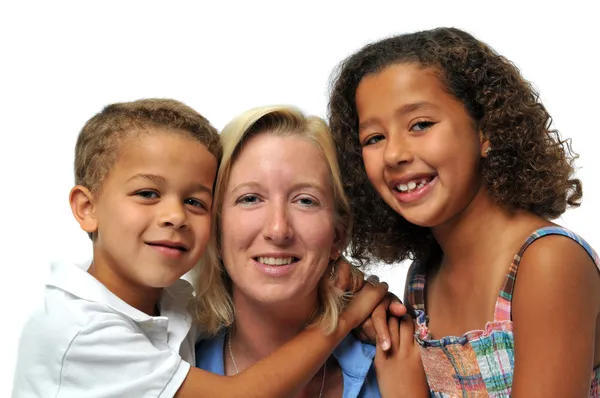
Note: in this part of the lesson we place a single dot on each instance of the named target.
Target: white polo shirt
(86, 342)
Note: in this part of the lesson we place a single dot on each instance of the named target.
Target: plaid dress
(479, 363)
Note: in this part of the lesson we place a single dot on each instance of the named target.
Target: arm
(555, 309)
(277, 375)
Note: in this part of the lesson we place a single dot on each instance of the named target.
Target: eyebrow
(253, 185)
(405, 109)
(159, 180)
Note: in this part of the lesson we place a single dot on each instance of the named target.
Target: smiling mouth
(413, 185)
(276, 261)
(173, 247)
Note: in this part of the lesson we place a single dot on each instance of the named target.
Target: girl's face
(420, 147)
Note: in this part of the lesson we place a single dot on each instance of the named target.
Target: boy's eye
(421, 126)
(196, 203)
(148, 194)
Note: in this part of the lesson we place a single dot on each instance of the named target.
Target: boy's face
(153, 210)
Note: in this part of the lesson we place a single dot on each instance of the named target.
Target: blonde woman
(281, 221)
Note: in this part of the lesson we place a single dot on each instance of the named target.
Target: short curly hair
(100, 140)
(529, 166)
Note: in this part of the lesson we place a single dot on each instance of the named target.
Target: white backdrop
(60, 62)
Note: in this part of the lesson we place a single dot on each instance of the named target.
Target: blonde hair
(215, 307)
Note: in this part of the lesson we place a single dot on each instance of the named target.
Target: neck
(472, 236)
(260, 328)
(142, 298)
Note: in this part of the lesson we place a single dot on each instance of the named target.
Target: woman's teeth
(412, 185)
(275, 260)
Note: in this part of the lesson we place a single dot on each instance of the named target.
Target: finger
(363, 303)
(368, 330)
(379, 320)
(360, 335)
(397, 309)
(407, 334)
(394, 327)
(358, 278)
(342, 274)
(372, 279)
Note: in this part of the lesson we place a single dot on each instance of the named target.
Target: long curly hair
(529, 166)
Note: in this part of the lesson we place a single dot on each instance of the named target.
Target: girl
(449, 159)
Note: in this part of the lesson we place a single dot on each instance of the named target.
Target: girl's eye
(147, 194)
(248, 199)
(374, 139)
(196, 203)
(421, 126)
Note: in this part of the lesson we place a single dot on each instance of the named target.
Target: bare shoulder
(560, 269)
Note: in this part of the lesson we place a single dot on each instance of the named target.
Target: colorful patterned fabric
(479, 363)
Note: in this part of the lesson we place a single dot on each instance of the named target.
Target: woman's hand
(399, 370)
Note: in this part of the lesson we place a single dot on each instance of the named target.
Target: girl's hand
(399, 370)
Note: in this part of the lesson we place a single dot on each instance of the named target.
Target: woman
(281, 221)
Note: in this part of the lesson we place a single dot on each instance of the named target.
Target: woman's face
(277, 220)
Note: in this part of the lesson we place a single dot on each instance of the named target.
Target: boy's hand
(347, 277)
(375, 328)
(361, 305)
(400, 371)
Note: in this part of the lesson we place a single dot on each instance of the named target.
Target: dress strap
(414, 291)
(503, 308)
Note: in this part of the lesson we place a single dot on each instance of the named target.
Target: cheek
(202, 228)
(373, 162)
(318, 234)
(239, 228)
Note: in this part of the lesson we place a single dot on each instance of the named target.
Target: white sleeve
(113, 358)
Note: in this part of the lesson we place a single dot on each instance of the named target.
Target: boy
(144, 175)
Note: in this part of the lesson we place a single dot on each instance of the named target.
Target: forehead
(400, 81)
(163, 151)
(286, 158)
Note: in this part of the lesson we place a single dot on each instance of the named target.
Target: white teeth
(275, 260)
(412, 185)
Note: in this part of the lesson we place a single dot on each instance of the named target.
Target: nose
(397, 150)
(172, 215)
(278, 228)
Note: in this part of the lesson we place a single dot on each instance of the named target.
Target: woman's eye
(147, 194)
(309, 202)
(373, 139)
(248, 199)
(422, 126)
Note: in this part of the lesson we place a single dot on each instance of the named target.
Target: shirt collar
(75, 280)
(355, 358)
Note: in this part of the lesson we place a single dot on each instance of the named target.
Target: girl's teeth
(412, 185)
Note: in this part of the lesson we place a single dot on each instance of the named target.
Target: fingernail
(385, 345)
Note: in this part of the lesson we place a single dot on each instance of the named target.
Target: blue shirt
(354, 357)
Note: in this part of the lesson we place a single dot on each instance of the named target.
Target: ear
(82, 206)
(484, 144)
